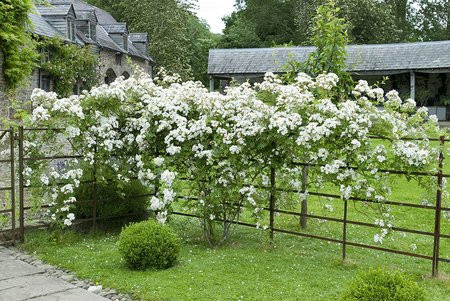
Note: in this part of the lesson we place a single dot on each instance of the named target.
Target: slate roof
(103, 16)
(41, 27)
(54, 10)
(115, 28)
(106, 25)
(105, 41)
(85, 39)
(137, 37)
(135, 52)
(85, 14)
(361, 58)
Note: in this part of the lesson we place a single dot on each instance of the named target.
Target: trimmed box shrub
(381, 285)
(149, 245)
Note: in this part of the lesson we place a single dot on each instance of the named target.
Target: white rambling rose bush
(158, 131)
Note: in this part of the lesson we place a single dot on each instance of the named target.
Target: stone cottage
(87, 26)
(420, 70)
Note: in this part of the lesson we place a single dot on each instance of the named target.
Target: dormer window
(71, 29)
(125, 41)
(92, 31)
(89, 30)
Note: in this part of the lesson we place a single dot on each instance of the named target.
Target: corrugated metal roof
(137, 37)
(115, 28)
(42, 28)
(54, 10)
(361, 58)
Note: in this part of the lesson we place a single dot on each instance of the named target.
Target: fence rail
(19, 138)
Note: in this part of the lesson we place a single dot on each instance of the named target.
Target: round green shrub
(381, 285)
(149, 245)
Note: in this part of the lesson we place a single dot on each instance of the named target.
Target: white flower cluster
(412, 153)
(137, 128)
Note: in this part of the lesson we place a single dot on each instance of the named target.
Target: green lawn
(248, 267)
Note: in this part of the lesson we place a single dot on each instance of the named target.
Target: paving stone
(11, 268)
(6, 251)
(75, 294)
(23, 278)
(4, 256)
(31, 286)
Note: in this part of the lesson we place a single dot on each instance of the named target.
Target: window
(76, 89)
(92, 31)
(119, 59)
(45, 82)
(71, 29)
(72, 24)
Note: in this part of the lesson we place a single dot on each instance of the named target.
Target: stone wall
(23, 93)
(107, 61)
(120, 66)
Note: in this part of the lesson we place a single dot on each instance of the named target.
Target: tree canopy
(274, 22)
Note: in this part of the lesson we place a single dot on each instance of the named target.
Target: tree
(330, 37)
(16, 43)
(261, 22)
(433, 20)
(201, 39)
(402, 15)
(239, 32)
(305, 11)
(370, 22)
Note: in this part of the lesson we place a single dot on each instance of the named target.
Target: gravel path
(23, 277)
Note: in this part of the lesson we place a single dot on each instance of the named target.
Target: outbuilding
(420, 71)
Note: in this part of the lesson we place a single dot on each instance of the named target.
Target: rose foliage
(162, 131)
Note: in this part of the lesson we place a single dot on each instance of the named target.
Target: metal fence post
(21, 186)
(437, 218)
(272, 201)
(94, 197)
(344, 231)
(13, 184)
(304, 210)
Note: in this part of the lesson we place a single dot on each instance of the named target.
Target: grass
(248, 267)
